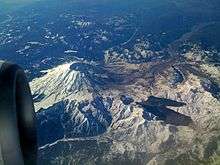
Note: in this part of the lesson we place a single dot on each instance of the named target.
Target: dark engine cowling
(18, 140)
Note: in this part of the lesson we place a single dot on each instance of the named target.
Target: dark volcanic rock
(126, 99)
(158, 107)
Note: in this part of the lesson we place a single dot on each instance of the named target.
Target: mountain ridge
(127, 125)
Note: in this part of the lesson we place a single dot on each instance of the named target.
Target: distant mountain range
(7, 6)
(120, 82)
(86, 113)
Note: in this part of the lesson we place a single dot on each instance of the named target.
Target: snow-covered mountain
(95, 114)
(68, 105)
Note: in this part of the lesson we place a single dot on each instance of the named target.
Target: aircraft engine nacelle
(18, 140)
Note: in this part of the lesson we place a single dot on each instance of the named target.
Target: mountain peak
(58, 84)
